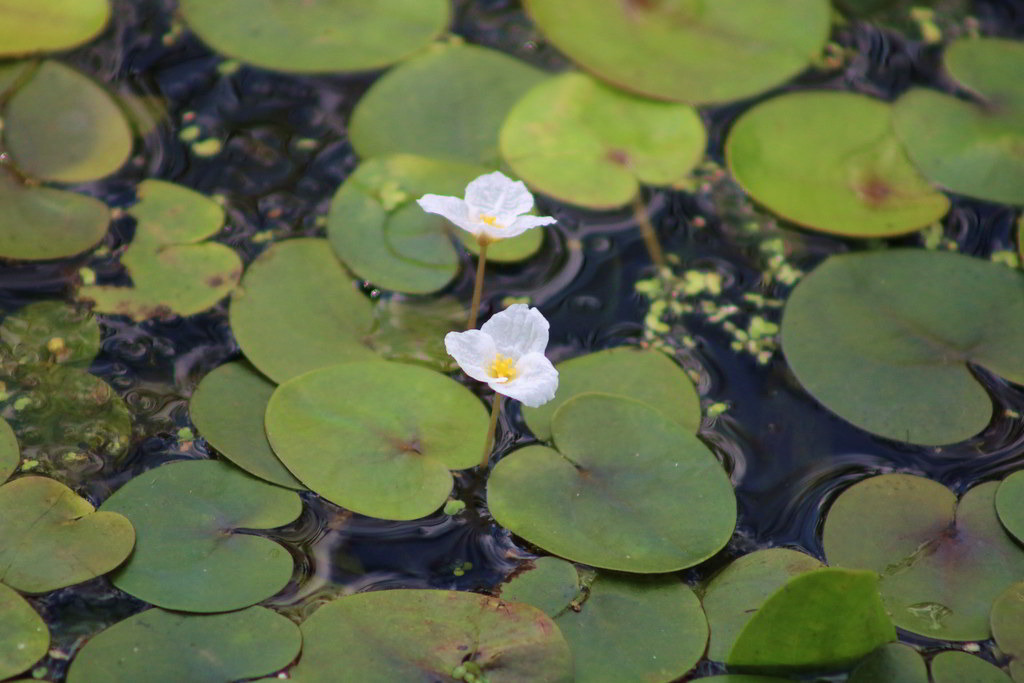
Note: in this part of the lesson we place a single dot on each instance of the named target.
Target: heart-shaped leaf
(958, 667)
(650, 377)
(1007, 621)
(942, 564)
(830, 162)
(298, 309)
(319, 35)
(550, 585)
(24, 638)
(189, 555)
(52, 538)
(586, 143)
(387, 454)
(627, 489)
(1010, 504)
(688, 50)
(164, 647)
(30, 26)
(421, 635)
(10, 454)
(891, 662)
(228, 408)
(884, 340)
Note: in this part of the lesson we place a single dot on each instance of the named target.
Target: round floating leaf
(691, 50)
(51, 538)
(445, 104)
(317, 35)
(30, 26)
(51, 332)
(171, 272)
(62, 126)
(892, 662)
(420, 635)
(228, 408)
(942, 564)
(821, 619)
(10, 454)
(1007, 621)
(830, 162)
(884, 340)
(650, 377)
(550, 585)
(627, 489)
(1010, 504)
(298, 310)
(163, 647)
(971, 148)
(586, 143)
(743, 678)
(188, 556)
(377, 438)
(958, 667)
(735, 594)
(39, 223)
(24, 638)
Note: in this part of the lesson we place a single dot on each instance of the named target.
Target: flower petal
(518, 330)
(474, 351)
(524, 223)
(535, 384)
(452, 208)
(495, 194)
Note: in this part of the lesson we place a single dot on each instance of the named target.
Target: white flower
(493, 208)
(507, 352)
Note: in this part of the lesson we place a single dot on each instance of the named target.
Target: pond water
(284, 153)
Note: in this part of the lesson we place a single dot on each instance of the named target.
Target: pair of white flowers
(507, 352)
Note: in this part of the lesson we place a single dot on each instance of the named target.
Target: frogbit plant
(492, 210)
(507, 353)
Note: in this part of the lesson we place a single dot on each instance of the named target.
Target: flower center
(503, 368)
(491, 220)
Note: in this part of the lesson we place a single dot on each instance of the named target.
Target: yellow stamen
(503, 368)
(491, 220)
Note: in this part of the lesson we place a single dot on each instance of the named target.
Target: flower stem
(647, 230)
(495, 410)
(478, 284)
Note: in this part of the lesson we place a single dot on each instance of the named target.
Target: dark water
(285, 153)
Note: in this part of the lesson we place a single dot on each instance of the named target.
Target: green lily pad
(581, 141)
(378, 230)
(892, 662)
(971, 148)
(830, 162)
(957, 667)
(735, 594)
(942, 564)
(627, 489)
(390, 463)
(1007, 621)
(52, 538)
(228, 408)
(447, 103)
(189, 556)
(650, 377)
(884, 340)
(10, 454)
(1010, 504)
(318, 35)
(428, 635)
(51, 332)
(742, 678)
(298, 309)
(688, 50)
(62, 126)
(550, 585)
(24, 638)
(40, 223)
(821, 619)
(163, 647)
(172, 269)
(31, 27)
(619, 629)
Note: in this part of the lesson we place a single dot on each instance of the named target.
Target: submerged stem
(647, 230)
(478, 284)
(491, 429)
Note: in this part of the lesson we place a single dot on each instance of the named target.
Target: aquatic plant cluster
(361, 385)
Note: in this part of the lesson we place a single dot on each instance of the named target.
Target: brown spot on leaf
(874, 191)
(215, 281)
(617, 156)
